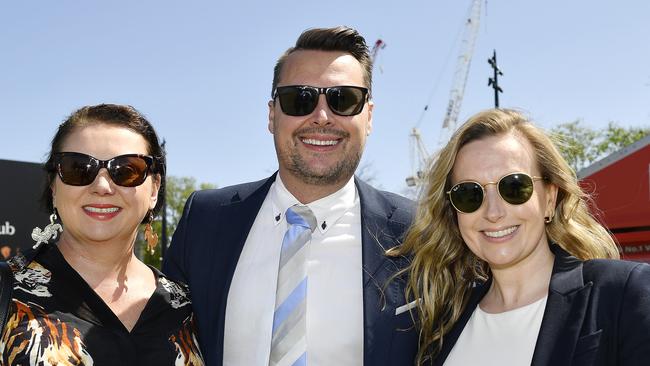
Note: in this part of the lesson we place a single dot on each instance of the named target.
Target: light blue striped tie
(288, 343)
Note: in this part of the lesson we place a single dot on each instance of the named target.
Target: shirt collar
(328, 210)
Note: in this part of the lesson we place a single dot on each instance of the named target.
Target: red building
(620, 187)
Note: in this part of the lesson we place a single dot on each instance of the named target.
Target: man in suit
(227, 246)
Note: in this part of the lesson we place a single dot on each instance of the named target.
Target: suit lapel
(451, 338)
(238, 218)
(565, 310)
(379, 300)
(377, 232)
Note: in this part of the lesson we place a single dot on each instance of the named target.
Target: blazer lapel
(239, 216)
(565, 310)
(378, 233)
(451, 338)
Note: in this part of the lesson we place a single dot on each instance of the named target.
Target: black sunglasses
(301, 100)
(514, 188)
(77, 169)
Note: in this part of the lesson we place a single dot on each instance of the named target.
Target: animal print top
(57, 319)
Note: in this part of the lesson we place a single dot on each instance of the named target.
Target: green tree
(581, 145)
(178, 189)
(576, 143)
(614, 138)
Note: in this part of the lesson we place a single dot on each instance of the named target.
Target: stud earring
(548, 219)
(49, 232)
(150, 236)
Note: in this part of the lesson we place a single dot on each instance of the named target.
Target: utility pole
(163, 246)
(494, 81)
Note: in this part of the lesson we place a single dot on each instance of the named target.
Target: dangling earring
(150, 236)
(49, 232)
(548, 219)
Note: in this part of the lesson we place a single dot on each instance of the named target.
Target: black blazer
(597, 313)
(212, 232)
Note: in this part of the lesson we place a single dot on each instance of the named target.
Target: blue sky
(201, 71)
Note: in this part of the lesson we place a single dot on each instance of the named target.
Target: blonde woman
(510, 268)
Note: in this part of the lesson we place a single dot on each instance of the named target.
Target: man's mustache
(321, 130)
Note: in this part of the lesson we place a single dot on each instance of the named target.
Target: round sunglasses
(514, 188)
(301, 100)
(77, 169)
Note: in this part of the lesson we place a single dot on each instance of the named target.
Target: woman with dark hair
(508, 265)
(86, 299)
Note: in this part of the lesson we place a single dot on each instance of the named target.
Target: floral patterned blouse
(56, 318)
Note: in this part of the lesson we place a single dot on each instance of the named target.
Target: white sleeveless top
(502, 339)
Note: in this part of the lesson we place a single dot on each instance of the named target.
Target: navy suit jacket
(597, 313)
(212, 232)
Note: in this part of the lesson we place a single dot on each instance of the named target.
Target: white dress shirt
(335, 277)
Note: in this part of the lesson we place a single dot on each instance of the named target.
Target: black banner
(21, 185)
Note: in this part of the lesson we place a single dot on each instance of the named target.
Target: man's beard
(298, 167)
(340, 171)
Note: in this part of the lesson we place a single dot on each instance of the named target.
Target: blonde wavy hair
(443, 270)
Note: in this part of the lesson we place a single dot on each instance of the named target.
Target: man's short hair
(341, 38)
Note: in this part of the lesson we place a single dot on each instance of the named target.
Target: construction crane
(468, 41)
(379, 45)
